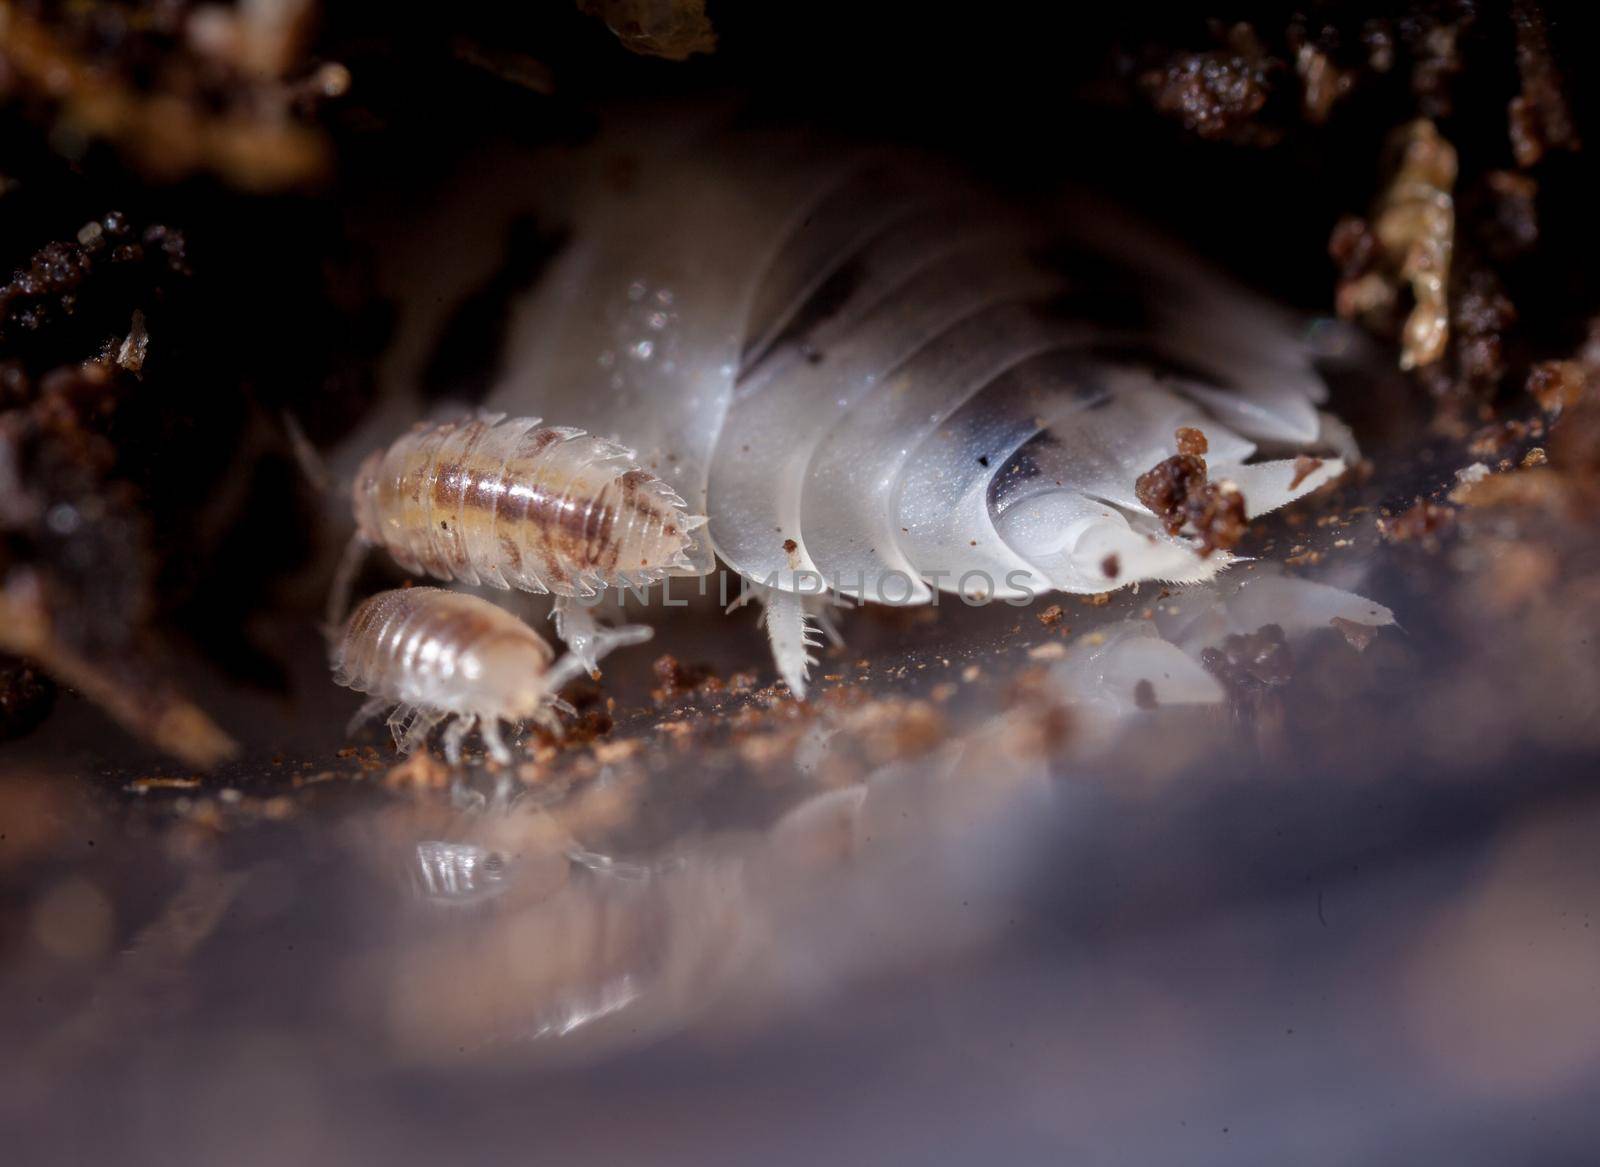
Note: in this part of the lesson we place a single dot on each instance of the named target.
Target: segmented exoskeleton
(514, 504)
(437, 656)
(880, 380)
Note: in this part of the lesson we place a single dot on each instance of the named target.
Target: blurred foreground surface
(931, 916)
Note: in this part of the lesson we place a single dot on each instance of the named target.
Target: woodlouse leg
(821, 609)
(568, 668)
(453, 734)
(344, 579)
(421, 726)
(545, 716)
(787, 620)
(400, 721)
(489, 728)
(370, 708)
(586, 638)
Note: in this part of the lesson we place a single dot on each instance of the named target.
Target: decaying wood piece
(147, 706)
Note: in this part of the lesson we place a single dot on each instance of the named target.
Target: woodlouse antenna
(344, 578)
(305, 454)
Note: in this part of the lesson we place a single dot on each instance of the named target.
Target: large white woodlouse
(875, 376)
(436, 656)
(881, 381)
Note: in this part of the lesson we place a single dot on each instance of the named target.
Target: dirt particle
(1176, 491)
(1304, 467)
(1218, 94)
(1144, 695)
(1192, 441)
(421, 771)
(1557, 384)
(1356, 635)
(1423, 523)
(674, 679)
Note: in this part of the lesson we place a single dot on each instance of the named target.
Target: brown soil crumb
(1177, 492)
(1540, 117)
(1252, 667)
(421, 771)
(1481, 316)
(1537, 488)
(1304, 467)
(1217, 94)
(180, 88)
(1098, 600)
(1498, 437)
(1166, 487)
(1051, 616)
(1557, 384)
(1192, 441)
(1357, 636)
(1261, 657)
(1423, 523)
(674, 30)
(1574, 442)
(1323, 83)
(610, 753)
(675, 680)
(1510, 226)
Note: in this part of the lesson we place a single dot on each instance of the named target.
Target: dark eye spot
(983, 460)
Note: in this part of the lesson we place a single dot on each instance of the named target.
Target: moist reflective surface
(937, 911)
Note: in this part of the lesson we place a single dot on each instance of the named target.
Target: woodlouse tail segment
(602, 450)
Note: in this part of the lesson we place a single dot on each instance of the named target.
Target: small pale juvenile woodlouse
(513, 504)
(437, 656)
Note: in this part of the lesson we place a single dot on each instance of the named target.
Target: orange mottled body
(514, 504)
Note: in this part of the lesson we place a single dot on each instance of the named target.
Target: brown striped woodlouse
(514, 504)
